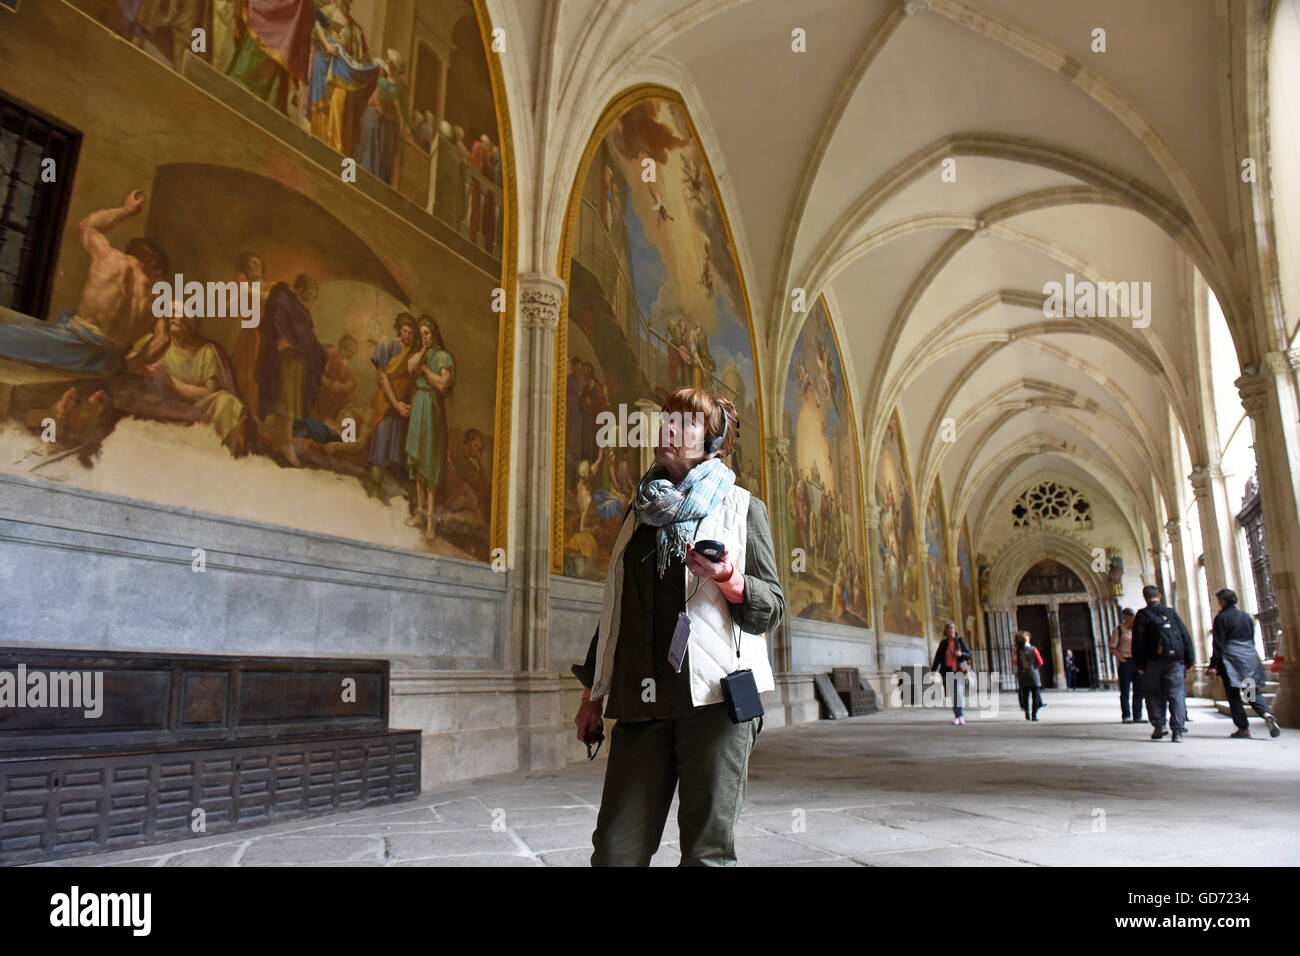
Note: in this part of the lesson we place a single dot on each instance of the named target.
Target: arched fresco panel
(938, 560)
(822, 483)
(901, 582)
(655, 302)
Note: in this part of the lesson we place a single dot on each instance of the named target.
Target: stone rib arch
(1022, 553)
(1028, 446)
(1004, 492)
(1053, 198)
(1135, 195)
(996, 402)
(1112, 462)
(1055, 59)
(1073, 361)
(1155, 357)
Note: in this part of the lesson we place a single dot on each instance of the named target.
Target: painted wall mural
(401, 89)
(966, 587)
(938, 561)
(365, 400)
(655, 302)
(822, 484)
(901, 600)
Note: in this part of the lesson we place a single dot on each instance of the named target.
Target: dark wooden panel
(68, 806)
(164, 700)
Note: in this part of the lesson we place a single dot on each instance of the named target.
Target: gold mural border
(917, 537)
(942, 513)
(614, 110)
(974, 582)
(857, 450)
(500, 527)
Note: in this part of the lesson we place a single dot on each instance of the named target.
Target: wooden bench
(189, 745)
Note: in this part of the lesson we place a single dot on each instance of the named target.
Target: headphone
(713, 444)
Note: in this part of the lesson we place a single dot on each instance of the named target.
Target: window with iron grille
(33, 203)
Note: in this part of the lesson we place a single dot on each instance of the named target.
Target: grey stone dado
(83, 569)
(902, 651)
(575, 611)
(479, 723)
(818, 646)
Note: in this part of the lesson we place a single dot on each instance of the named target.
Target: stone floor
(900, 788)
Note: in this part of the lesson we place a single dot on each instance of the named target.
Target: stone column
(1269, 398)
(778, 452)
(1216, 528)
(958, 613)
(1058, 650)
(871, 518)
(927, 606)
(540, 297)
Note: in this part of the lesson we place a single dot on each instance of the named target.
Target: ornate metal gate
(1251, 518)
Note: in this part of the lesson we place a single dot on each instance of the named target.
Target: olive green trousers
(705, 757)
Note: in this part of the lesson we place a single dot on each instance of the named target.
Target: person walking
(1234, 659)
(952, 662)
(1071, 671)
(1028, 678)
(1163, 649)
(663, 598)
(1121, 649)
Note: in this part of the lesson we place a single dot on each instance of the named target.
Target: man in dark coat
(1235, 660)
(1162, 647)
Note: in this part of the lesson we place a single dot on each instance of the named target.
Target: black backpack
(1169, 639)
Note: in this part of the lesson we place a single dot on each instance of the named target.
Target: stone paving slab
(896, 788)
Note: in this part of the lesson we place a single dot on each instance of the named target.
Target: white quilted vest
(713, 644)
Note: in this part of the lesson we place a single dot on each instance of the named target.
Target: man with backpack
(1163, 649)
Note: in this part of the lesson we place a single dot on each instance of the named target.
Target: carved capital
(1202, 479)
(1174, 529)
(913, 7)
(1254, 395)
(540, 298)
(1280, 363)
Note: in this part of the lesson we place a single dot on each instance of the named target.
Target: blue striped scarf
(676, 510)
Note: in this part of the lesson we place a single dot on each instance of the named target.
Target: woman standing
(674, 729)
(953, 657)
(1028, 678)
(386, 108)
(426, 436)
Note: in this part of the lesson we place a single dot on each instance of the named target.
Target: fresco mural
(655, 302)
(291, 371)
(901, 600)
(823, 507)
(403, 92)
(966, 587)
(938, 561)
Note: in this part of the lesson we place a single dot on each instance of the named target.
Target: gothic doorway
(1033, 618)
(1076, 636)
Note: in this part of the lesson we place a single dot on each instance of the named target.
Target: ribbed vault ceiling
(1104, 165)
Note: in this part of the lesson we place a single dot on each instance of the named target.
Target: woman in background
(1028, 678)
(953, 657)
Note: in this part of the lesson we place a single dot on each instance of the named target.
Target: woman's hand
(588, 721)
(708, 570)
